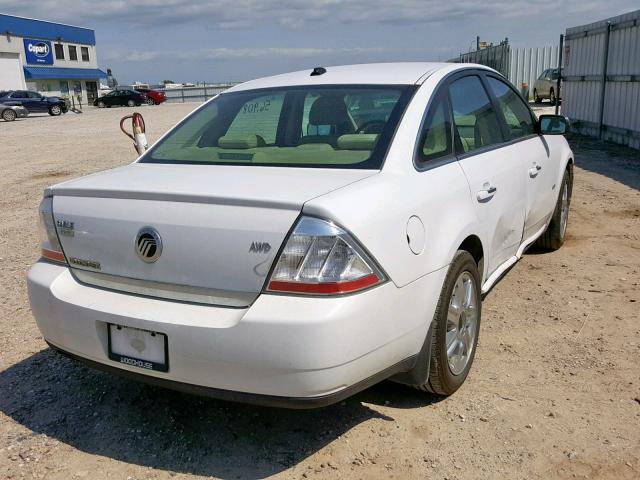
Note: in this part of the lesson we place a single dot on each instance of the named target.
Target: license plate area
(138, 348)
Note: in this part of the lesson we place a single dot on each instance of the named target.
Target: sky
(236, 40)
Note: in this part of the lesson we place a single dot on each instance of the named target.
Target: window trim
(75, 50)
(443, 85)
(388, 137)
(424, 165)
(506, 131)
(456, 139)
(55, 51)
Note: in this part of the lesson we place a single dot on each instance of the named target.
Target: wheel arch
(472, 243)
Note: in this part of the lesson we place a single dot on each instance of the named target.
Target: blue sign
(38, 52)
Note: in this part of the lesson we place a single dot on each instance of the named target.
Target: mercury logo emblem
(148, 245)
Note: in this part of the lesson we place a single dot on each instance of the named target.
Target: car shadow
(117, 418)
(618, 162)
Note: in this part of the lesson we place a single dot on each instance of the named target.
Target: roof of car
(406, 73)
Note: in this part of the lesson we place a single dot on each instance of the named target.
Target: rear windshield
(322, 126)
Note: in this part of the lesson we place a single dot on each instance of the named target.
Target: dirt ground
(554, 392)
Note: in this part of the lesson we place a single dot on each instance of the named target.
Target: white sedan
(303, 236)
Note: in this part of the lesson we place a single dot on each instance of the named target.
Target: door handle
(486, 194)
(533, 171)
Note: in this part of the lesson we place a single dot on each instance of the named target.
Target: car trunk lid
(219, 228)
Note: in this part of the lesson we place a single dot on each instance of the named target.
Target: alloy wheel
(462, 322)
(564, 209)
(9, 115)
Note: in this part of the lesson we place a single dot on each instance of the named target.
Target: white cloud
(296, 14)
(233, 53)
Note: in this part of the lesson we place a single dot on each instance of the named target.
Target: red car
(154, 97)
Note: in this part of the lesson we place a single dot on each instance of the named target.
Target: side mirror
(552, 125)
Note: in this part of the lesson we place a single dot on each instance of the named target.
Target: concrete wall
(11, 74)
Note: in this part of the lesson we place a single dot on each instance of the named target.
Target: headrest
(328, 110)
(248, 141)
(357, 141)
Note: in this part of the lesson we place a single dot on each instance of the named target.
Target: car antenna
(318, 71)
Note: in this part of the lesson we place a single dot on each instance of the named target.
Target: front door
(92, 92)
(495, 176)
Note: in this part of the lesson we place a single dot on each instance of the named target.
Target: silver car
(546, 86)
(10, 112)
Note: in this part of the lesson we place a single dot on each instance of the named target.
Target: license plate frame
(133, 359)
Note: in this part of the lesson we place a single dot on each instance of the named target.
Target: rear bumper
(243, 397)
(283, 350)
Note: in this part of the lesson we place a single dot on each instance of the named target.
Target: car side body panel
(400, 192)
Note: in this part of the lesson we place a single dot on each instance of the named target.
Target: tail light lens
(50, 246)
(321, 258)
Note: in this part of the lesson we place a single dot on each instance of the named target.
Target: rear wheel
(149, 101)
(9, 115)
(552, 97)
(101, 104)
(553, 237)
(55, 110)
(131, 103)
(536, 98)
(456, 324)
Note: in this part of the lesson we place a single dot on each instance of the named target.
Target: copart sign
(38, 52)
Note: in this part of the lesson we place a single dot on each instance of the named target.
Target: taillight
(50, 246)
(321, 258)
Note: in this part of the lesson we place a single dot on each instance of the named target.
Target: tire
(55, 110)
(536, 98)
(9, 115)
(553, 237)
(149, 101)
(131, 103)
(101, 104)
(552, 97)
(448, 372)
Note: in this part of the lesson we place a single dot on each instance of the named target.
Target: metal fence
(602, 79)
(519, 65)
(494, 56)
(526, 64)
(195, 94)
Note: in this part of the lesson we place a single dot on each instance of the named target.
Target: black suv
(34, 102)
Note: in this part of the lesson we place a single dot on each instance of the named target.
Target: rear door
(543, 89)
(109, 97)
(493, 169)
(20, 97)
(518, 124)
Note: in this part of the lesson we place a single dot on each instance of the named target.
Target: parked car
(34, 102)
(154, 97)
(10, 112)
(272, 248)
(546, 86)
(130, 98)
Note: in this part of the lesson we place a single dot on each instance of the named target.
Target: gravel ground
(554, 391)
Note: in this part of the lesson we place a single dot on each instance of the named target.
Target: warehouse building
(51, 58)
